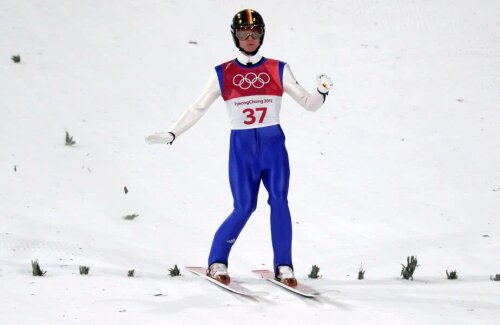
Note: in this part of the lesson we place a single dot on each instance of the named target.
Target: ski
(232, 286)
(301, 289)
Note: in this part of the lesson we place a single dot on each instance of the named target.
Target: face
(249, 37)
(250, 44)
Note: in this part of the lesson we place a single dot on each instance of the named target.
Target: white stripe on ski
(300, 289)
(232, 286)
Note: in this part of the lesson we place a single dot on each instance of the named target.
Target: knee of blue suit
(245, 209)
(277, 201)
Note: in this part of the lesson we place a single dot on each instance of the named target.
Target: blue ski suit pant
(255, 155)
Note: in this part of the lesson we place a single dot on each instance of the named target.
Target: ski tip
(194, 267)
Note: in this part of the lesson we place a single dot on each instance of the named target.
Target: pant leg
(276, 176)
(244, 178)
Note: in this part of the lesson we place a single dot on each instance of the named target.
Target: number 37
(250, 115)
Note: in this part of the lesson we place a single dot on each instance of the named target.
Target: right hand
(161, 138)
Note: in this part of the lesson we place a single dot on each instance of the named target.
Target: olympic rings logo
(251, 79)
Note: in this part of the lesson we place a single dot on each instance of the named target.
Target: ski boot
(285, 275)
(218, 271)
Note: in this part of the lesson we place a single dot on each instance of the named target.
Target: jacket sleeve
(197, 109)
(311, 102)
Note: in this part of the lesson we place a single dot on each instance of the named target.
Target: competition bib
(252, 94)
(254, 111)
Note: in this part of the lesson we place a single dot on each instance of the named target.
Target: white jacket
(310, 101)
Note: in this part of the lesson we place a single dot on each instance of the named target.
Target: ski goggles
(255, 31)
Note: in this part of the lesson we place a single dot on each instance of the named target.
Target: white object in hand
(325, 83)
(161, 138)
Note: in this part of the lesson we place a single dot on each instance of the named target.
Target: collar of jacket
(246, 59)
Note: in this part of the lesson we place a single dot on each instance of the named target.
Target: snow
(402, 160)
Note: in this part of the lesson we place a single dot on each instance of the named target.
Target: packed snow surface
(402, 160)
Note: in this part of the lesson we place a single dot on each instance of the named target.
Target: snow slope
(402, 160)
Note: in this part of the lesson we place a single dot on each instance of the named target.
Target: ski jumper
(257, 153)
(252, 87)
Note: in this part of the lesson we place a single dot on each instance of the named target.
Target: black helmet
(247, 18)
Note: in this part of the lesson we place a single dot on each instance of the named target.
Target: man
(252, 87)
